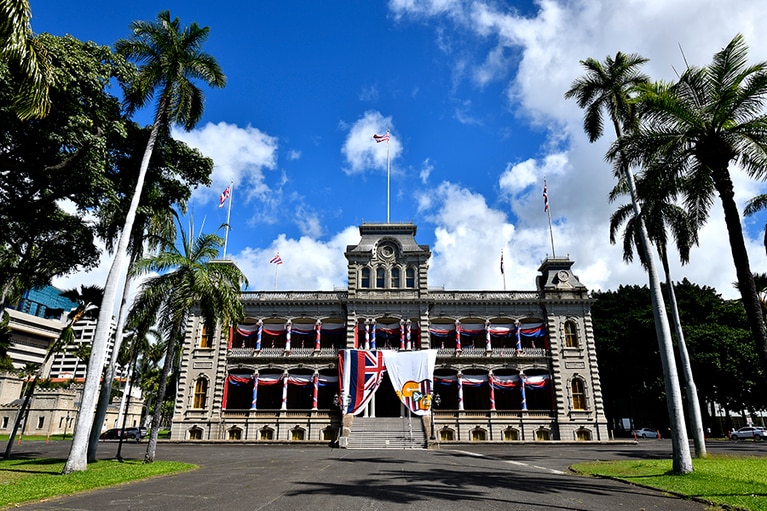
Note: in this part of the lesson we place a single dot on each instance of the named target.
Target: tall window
(200, 393)
(204, 337)
(365, 280)
(395, 278)
(571, 335)
(579, 394)
(410, 278)
(380, 278)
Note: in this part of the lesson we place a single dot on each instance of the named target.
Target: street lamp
(435, 401)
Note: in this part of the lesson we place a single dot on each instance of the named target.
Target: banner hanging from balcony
(412, 373)
(360, 373)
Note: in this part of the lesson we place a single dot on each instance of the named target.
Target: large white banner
(411, 373)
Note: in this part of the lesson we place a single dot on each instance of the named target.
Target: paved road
(476, 477)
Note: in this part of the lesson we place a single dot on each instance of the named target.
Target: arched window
(204, 337)
(365, 281)
(394, 278)
(380, 278)
(571, 335)
(200, 393)
(410, 278)
(579, 394)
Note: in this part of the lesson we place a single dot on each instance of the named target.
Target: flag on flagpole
(501, 262)
(381, 138)
(276, 259)
(224, 195)
(545, 197)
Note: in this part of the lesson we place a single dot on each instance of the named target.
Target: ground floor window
(510, 434)
(195, 434)
(235, 434)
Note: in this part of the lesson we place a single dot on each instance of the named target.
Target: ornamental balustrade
(466, 352)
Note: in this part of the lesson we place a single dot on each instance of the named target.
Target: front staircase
(387, 433)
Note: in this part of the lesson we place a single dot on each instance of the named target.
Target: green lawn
(23, 480)
(739, 482)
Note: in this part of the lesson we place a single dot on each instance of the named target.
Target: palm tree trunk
(106, 385)
(681, 458)
(746, 283)
(78, 460)
(693, 405)
(151, 448)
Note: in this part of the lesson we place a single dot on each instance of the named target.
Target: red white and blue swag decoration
(411, 374)
(361, 372)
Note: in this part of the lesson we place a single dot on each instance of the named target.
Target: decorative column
(490, 382)
(457, 335)
(488, 345)
(367, 334)
(402, 334)
(522, 380)
(408, 326)
(258, 334)
(284, 391)
(460, 391)
(519, 334)
(226, 392)
(316, 382)
(373, 335)
(254, 401)
(288, 327)
(318, 327)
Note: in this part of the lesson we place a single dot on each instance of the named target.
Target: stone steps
(387, 433)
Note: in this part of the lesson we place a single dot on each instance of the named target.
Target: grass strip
(24, 480)
(738, 482)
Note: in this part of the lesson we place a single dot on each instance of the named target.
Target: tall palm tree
(170, 58)
(712, 117)
(661, 217)
(18, 45)
(187, 276)
(610, 88)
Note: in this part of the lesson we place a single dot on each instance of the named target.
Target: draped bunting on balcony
(303, 329)
(445, 380)
(474, 380)
(439, 331)
(239, 379)
(333, 328)
(272, 331)
(506, 381)
(532, 330)
(537, 382)
(301, 380)
(501, 330)
(247, 330)
(327, 380)
(469, 329)
(269, 380)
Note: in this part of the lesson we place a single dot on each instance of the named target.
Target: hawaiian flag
(276, 259)
(360, 373)
(545, 197)
(501, 262)
(224, 195)
(381, 138)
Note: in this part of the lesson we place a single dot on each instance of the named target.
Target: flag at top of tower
(381, 138)
(276, 259)
(545, 197)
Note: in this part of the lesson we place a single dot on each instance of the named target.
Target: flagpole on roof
(388, 176)
(503, 273)
(228, 216)
(548, 210)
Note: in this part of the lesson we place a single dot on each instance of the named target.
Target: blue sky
(473, 94)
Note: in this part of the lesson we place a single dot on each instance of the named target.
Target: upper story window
(395, 281)
(380, 282)
(200, 393)
(571, 335)
(410, 278)
(204, 337)
(365, 280)
(579, 394)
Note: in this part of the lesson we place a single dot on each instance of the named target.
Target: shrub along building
(510, 365)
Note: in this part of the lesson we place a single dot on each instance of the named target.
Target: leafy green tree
(28, 56)
(187, 276)
(693, 129)
(610, 88)
(171, 59)
(60, 158)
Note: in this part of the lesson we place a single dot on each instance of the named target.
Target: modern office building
(510, 365)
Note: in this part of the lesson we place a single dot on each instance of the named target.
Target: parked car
(126, 434)
(645, 433)
(755, 432)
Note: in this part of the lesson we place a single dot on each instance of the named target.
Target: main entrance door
(387, 404)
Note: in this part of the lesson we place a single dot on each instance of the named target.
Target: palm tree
(88, 299)
(610, 87)
(662, 216)
(188, 276)
(172, 58)
(18, 45)
(711, 117)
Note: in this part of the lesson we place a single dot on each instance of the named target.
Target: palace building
(510, 365)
